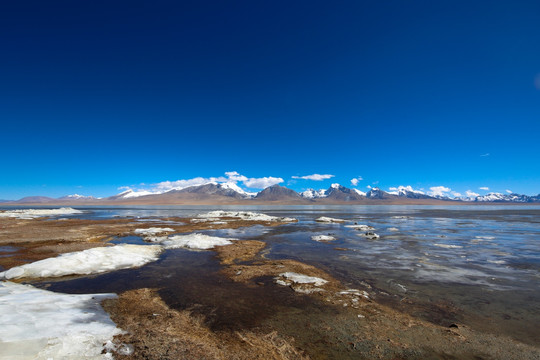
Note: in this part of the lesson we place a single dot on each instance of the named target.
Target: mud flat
(239, 303)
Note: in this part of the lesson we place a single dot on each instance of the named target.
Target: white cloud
(369, 186)
(485, 188)
(262, 183)
(439, 191)
(316, 177)
(181, 184)
(355, 181)
(509, 191)
(231, 177)
(235, 176)
(471, 194)
(484, 155)
(456, 194)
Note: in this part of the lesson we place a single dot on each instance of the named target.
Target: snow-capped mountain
(376, 193)
(214, 188)
(131, 194)
(77, 197)
(409, 193)
(498, 197)
(313, 194)
(230, 192)
(341, 193)
(229, 189)
(336, 192)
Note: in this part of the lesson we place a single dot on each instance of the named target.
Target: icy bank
(323, 238)
(194, 241)
(292, 277)
(240, 215)
(36, 213)
(40, 324)
(152, 231)
(360, 227)
(91, 261)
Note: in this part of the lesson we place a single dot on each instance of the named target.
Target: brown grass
(158, 332)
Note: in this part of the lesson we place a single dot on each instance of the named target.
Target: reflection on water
(484, 260)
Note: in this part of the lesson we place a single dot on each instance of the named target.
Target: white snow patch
(302, 279)
(152, 231)
(136, 193)
(91, 261)
(195, 241)
(40, 324)
(355, 292)
(360, 227)
(370, 235)
(36, 213)
(323, 238)
(326, 219)
(241, 215)
(485, 237)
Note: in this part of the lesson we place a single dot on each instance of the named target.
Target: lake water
(474, 265)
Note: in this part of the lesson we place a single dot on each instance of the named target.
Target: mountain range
(230, 193)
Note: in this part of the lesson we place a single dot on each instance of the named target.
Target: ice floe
(323, 238)
(485, 237)
(91, 261)
(40, 324)
(287, 278)
(325, 219)
(239, 215)
(370, 235)
(448, 246)
(195, 241)
(393, 229)
(360, 227)
(153, 231)
(37, 213)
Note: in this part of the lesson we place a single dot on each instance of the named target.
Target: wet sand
(235, 310)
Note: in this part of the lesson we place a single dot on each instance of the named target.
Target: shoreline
(299, 322)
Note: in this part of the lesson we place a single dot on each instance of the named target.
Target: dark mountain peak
(376, 193)
(229, 190)
(342, 193)
(277, 193)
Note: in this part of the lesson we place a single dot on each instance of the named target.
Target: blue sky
(99, 95)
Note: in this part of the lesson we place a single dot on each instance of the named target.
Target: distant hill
(278, 193)
(230, 193)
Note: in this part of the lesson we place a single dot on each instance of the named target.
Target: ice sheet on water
(37, 213)
(323, 238)
(448, 246)
(40, 324)
(302, 279)
(194, 241)
(153, 231)
(325, 219)
(240, 215)
(91, 261)
(360, 227)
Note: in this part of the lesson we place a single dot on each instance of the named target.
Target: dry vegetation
(158, 332)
